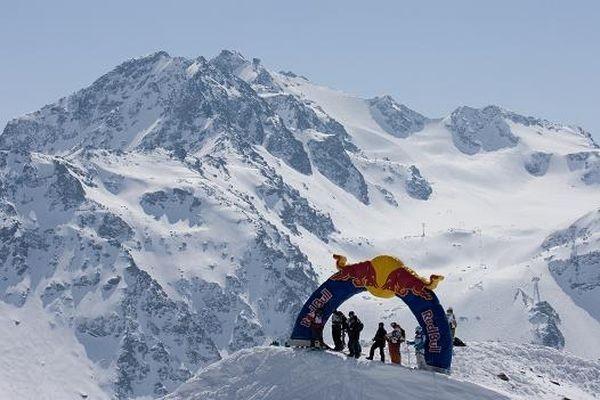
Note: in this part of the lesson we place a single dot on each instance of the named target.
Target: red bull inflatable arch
(386, 277)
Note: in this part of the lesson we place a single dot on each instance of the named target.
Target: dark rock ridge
(573, 256)
(157, 102)
(537, 163)
(474, 130)
(396, 119)
(417, 187)
(588, 163)
(328, 153)
(545, 321)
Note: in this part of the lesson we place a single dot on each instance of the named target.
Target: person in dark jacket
(379, 342)
(339, 323)
(355, 326)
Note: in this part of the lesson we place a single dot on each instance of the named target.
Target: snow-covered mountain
(177, 210)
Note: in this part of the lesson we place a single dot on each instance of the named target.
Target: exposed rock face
(580, 275)
(417, 187)
(589, 165)
(574, 261)
(537, 163)
(474, 130)
(545, 321)
(176, 205)
(294, 210)
(331, 160)
(396, 119)
(157, 102)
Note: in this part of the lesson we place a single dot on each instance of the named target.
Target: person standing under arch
(395, 339)
(378, 343)
(419, 344)
(338, 325)
(355, 326)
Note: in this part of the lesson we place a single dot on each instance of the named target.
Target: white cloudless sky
(536, 57)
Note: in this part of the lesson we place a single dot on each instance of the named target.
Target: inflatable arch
(384, 276)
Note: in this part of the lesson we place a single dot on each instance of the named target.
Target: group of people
(352, 327)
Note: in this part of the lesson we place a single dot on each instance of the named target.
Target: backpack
(402, 335)
(359, 325)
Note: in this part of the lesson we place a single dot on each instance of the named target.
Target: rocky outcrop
(537, 163)
(588, 164)
(416, 186)
(396, 119)
(545, 321)
(475, 130)
(330, 158)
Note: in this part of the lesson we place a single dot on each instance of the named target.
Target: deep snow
(533, 372)
(272, 373)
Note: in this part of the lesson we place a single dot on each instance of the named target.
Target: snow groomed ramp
(384, 276)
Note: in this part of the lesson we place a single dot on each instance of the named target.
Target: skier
(338, 325)
(355, 326)
(316, 328)
(378, 342)
(451, 321)
(419, 344)
(395, 338)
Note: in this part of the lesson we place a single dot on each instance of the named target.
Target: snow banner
(386, 277)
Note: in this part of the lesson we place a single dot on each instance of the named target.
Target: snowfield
(532, 372)
(280, 373)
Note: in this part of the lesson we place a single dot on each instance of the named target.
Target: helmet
(351, 313)
(449, 309)
(393, 324)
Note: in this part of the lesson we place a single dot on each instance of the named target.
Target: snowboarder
(395, 338)
(316, 328)
(339, 323)
(451, 321)
(419, 344)
(378, 343)
(355, 326)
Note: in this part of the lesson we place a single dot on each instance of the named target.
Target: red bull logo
(316, 303)
(385, 276)
(362, 274)
(433, 332)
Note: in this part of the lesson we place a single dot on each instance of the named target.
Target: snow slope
(278, 373)
(534, 372)
(531, 372)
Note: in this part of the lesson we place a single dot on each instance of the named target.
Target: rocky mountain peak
(230, 61)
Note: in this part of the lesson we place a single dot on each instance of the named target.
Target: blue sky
(537, 57)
